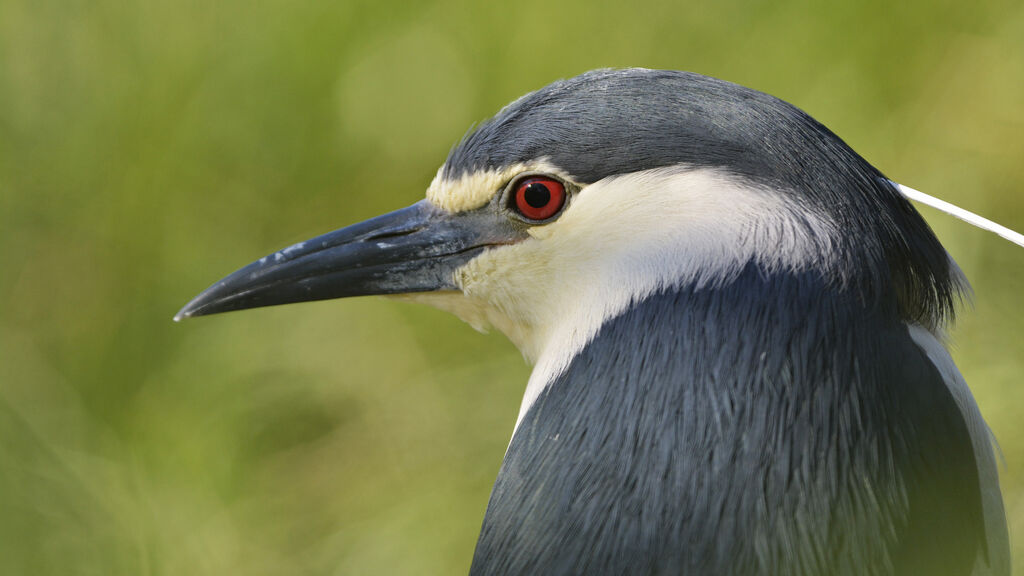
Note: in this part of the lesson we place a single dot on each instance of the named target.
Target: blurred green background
(148, 148)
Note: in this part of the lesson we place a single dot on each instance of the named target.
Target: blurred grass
(148, 148)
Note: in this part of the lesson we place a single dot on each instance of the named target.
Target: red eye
(539, 198)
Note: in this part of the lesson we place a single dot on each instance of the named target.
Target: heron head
(594, 192)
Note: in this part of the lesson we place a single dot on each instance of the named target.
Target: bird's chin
(482, 316)
(470, 311)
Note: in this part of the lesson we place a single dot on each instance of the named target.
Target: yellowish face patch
(473, 190)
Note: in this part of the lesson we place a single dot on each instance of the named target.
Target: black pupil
(537, 195)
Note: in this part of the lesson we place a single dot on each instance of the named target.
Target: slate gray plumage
(771, 426)
(782, 423)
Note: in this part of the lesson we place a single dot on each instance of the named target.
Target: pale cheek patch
(474, 190)
(623, 239)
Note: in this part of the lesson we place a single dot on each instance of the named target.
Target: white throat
(620, 240)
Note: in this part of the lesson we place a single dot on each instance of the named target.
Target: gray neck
(771, 426)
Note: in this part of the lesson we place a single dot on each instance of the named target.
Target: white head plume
(965, 215)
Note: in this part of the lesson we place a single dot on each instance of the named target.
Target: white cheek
(623, 239)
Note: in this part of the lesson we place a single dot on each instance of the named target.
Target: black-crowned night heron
(736, 324)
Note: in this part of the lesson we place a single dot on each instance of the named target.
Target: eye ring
(537, 198)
